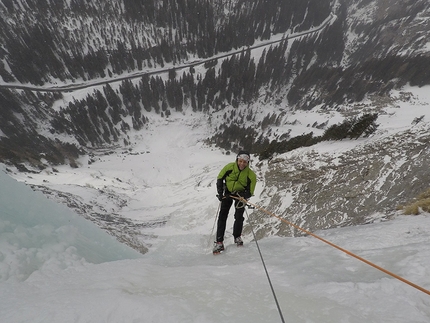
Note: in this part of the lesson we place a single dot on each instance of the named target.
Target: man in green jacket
(235, 179)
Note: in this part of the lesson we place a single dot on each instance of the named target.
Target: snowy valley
(160, 198)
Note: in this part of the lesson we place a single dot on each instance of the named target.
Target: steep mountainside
(367, 47)
(81, 42)
(351, 187)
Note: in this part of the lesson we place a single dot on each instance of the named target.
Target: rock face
(315, 190)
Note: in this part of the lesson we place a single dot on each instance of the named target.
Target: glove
(245, 194)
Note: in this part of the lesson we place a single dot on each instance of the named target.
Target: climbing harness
(241, 202)
(335, 246)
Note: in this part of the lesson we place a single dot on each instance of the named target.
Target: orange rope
(335, 246)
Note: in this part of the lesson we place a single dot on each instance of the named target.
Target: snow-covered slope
(46, 278)
(168, 174)
(349, 182)
(158, 196)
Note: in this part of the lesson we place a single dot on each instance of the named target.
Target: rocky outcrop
(316, 191)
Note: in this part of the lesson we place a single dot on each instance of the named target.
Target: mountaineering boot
(238, 241)
(219, 246)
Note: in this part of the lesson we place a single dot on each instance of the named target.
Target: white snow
(57, 267)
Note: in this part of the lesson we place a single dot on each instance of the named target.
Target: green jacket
(235, 179)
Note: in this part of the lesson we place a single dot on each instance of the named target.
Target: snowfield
(57, 270)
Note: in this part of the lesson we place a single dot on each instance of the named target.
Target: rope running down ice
(265, 269)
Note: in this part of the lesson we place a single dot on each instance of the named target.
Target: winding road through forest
(78, 86)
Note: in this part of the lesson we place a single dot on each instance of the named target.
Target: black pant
(226, 204)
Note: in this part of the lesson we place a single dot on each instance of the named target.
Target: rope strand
(265, 269)
(213, 227)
